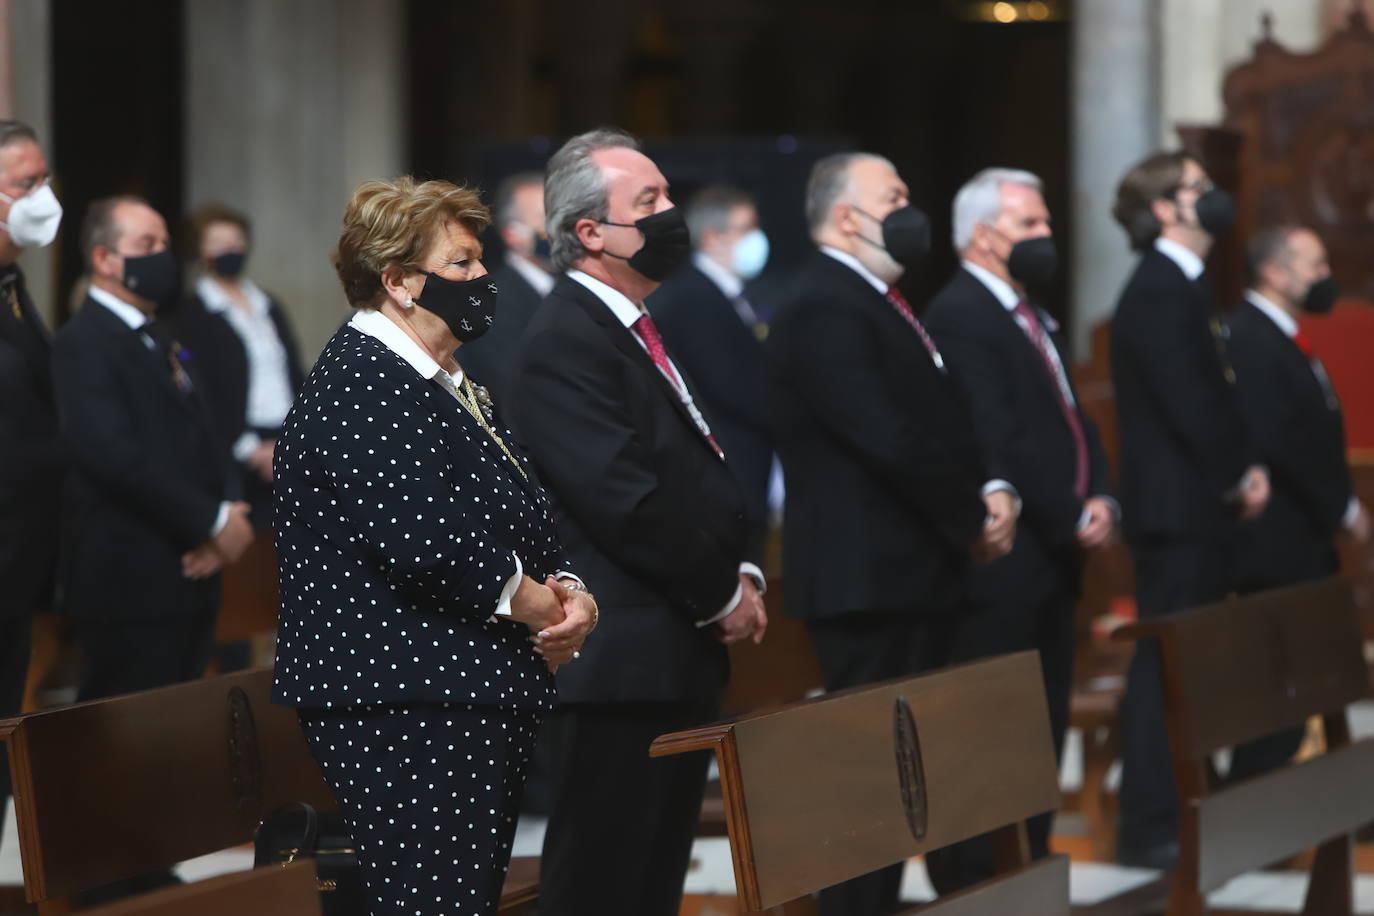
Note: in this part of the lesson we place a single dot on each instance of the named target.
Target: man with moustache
(1189, 472)
(653, 519)
(1003, 350)
(30, 450)
(525, 277)
(887, 498)
(153, 510)
(1294, 416)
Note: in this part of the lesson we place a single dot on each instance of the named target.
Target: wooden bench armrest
(707, 738)
(267, 891)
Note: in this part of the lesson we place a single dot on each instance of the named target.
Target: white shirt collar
(729, 284)
(995, 284)
(129, 314)
(217, 300)
(374, 324)
(535, 276)
(625, 311)
(1186, 259)
(853, 263)
(1276, 314)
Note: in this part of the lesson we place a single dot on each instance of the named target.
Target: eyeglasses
(29, 185)
(1199, 185)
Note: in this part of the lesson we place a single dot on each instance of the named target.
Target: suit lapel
(626, 342)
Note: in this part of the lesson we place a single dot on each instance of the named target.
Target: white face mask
(33, 218)
(750, 254)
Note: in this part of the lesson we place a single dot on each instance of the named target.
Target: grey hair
(503, 211)
(12, 131)
(829, 182)
(980, 200)
(710, 209)
(575, 189)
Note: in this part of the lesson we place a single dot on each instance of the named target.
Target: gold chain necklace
(468, 398)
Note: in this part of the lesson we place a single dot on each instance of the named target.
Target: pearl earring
(410, 303)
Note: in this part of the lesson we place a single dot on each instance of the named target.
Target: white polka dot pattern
(397, 523)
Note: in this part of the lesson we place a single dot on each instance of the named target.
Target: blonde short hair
(392, 224)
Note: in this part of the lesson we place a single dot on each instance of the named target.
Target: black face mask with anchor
(468, 307)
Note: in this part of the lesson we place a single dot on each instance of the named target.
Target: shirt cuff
(562, 574)
(508, 592)
(1352, 512)
(245, 445)
(221, 518)
(747, 569)
(1112, 504)
(996, 484)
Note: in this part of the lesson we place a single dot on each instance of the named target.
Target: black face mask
(230, 264)
(1033, 262)
(667, 244)
(1321, 296)
(468, 307)
(543, 248)
(906, 235)
(156, 277)
(1216, 211)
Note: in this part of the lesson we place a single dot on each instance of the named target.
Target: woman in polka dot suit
(425, 599)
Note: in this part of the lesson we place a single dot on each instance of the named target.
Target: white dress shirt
(533, 274)
(1289, 326)
(627, 313)
(375, 324)
(1186, 259)
(270, 394)
(133, 316)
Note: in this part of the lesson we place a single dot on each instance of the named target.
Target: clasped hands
(999, 528)
(212, 555)
(558, 618)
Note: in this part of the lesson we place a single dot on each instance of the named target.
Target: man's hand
(999, 530)
(236, 534)
(1254, 491)
(1359, 528)
(748, 620)
(202, 562)
(1101, 522)
(260, 460)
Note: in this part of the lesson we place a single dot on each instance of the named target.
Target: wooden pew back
(118, 787)
(1239, 670)
(824, 790)
(270, 891)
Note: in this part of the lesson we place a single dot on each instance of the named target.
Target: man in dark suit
(652, 519)
(30, 451)
(1004, 352)
(525, 277)
(1188, 471)
(887, 499)
(151, 499)
(1294, 416)
(717, 338)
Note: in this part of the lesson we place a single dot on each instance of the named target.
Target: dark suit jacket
(1025, 438)
(883, 467)
(30, 455)
(147, 474)
(493, 357)
(725, 361)
(397, 521)
(647, 510)
(222, 360)
(1300, 436)
(1183, 440)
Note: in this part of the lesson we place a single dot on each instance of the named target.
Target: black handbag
(297, 830)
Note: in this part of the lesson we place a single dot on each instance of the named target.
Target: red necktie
(903, 308)
(647, 332)
(1304, 345)
(1041, 341)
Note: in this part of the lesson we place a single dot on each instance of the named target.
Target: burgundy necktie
(903, 308)
(647, 332)
(1041, 341)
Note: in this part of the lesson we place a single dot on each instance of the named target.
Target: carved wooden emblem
(245, 763)
(911, 772)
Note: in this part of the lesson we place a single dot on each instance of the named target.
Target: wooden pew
(288, 891)
(827, 789)
(114, 788)
(1242, 669)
